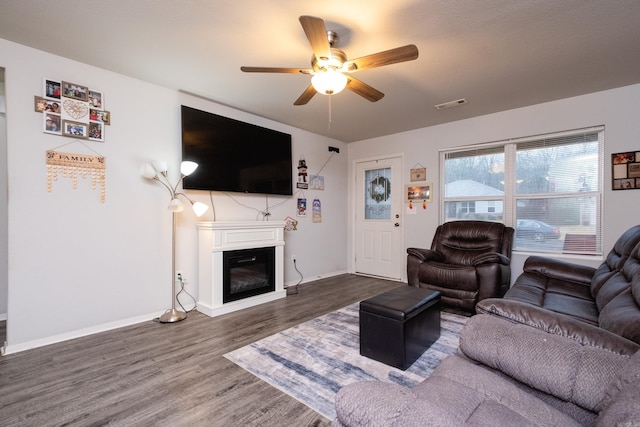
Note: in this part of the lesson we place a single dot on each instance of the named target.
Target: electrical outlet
(179, 275)
(293, 258)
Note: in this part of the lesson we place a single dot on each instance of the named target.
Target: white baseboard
(314, 278)
(15, 348)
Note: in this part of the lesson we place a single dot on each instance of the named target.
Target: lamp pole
(173, 315)
(155, 171)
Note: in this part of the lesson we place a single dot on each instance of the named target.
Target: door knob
(397, 224)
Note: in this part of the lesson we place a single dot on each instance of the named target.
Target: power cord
(182, 289)
(295, 287)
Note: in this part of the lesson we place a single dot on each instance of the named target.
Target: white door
(379, 235)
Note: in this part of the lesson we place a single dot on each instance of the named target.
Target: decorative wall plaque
(72, 165)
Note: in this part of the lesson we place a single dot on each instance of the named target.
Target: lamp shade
(175, 205)
(187, 168)
(329, 82)
(148, 171)
(160, 166)
(199, 208)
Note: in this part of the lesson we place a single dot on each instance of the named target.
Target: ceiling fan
(330, 67)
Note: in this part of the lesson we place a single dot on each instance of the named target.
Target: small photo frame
(624, 184)
(301, 209)
(75, 129)
(42, 105)
(418, 174)
(52, 123)
(96, 131)
(52, 89)
(96, 100)
(75, 91)
(316, 182)
(620, 158)
(418, 192)
(39, 104)
(100, 116)
(634, 170)
(625, 170)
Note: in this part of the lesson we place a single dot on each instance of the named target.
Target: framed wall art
(52, 89)
(96, 99)
(75, 91)
(100, 116)
(418, 173)
(75, 129)
(96, 131)
(72, 110)
(52, 123)
(419, 192)
(625, 170)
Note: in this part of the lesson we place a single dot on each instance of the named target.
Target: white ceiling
(498, 54)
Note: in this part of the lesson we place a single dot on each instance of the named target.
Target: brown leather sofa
(468, 261)
(561, 296)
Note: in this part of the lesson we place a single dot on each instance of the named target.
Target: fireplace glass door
(248, 272)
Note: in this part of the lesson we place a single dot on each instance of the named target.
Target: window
(549, 188)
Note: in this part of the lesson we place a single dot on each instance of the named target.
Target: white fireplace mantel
(216, 237)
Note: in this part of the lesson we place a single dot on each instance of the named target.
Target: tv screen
(235, 156)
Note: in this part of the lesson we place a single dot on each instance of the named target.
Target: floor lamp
(158, 171)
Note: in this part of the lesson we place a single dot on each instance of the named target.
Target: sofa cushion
(621, 405)
(618, 299)
(460, 242)
(616, 258)
(580, 373)
(444, 275)
(558, 286)
(557, 324)
(458, 393)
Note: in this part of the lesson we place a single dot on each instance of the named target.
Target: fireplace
(241, 264)
(247, 272)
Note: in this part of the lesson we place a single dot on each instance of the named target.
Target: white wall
(3, 203)
(77, 266)
(616, 109)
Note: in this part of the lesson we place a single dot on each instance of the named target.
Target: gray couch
(509, 374)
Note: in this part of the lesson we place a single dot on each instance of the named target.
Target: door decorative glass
(377, 202)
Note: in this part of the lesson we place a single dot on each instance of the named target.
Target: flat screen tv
(235, 156)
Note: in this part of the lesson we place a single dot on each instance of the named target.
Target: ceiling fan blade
(276, 70)
(317, 34)
(391, 56)
(306, 96)
(363, 89)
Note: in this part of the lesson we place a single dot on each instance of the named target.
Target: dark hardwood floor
(153, 374)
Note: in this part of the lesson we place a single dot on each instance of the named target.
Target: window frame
(510, 197)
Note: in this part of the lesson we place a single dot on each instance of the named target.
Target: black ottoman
(397, 326)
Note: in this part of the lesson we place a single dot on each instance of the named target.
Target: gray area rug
(313, 360)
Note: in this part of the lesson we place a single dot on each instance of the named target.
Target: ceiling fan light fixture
(329, 81)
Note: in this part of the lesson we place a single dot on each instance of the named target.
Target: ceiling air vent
(450, 104)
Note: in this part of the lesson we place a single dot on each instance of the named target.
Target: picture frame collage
(72, 110)
(625, 173)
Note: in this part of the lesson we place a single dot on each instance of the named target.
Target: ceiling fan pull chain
(329, 110)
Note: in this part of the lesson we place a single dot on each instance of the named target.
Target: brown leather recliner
(468, 261)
